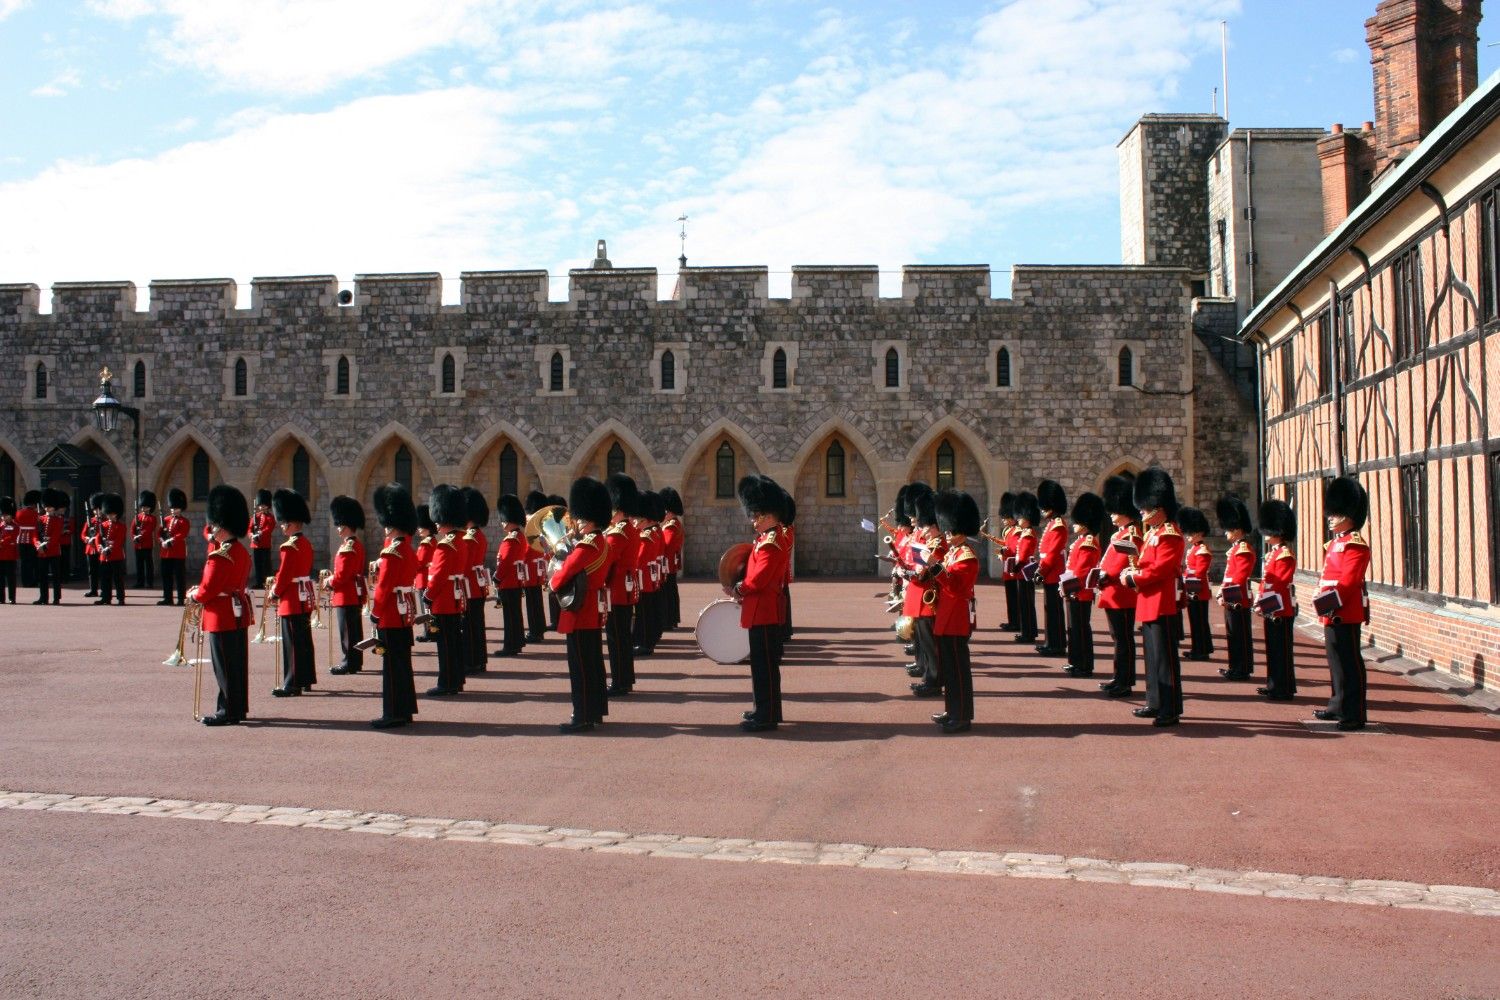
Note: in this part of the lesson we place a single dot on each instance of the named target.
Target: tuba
(192, 621)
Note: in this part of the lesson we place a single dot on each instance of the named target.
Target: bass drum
(719, 634)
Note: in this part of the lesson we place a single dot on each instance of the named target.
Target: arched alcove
(835, 487)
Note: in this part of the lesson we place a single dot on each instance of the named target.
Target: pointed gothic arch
(716, 522)
(592, 449)
(829, 538)
(275, 468)
(482, 459)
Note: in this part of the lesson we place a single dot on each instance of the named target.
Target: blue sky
(149, 139)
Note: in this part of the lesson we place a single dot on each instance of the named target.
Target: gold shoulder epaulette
(964, 552)
(221, 553)
(1028, 533)
(348, 545)
(1089, 542)
(509, 535)
(1285, 553)
(1355, 538)
(769, 540)
(1241, 546)
(425, 541)
(446, 542)
(1168, 528)
(469, 535)
(290, 543)
(615, 529)
(393, 549)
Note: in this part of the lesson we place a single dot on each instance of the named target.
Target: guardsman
(295, 595)
(673, 533)
(789, 533)
(9, 549)
(89, 535)
(512, 571)
(1118, 600)
(899, 532)
(477, 547)
(143, 534)
(394, 606)
(262, 535)
(1154, 578)
(1077, 583)
(174, 535)
(1277, 601)
(50, 532)
(347, 584)
(536, 604)
(924, 560)
(554, 610)
(224, 593)
(1010, 575)
(759, 595)
(1028, 516)
(1342, 603)
(582, 619)
(1234, 589)
(1052, 556)
(624, 541)
(27, 515)
(1195, 588)
(110, 539)
(446, 593)
(426, 540)
(958, 518)
(648, 608)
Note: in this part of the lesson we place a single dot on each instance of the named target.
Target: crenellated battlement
(399, 293)
(503, 291)
(840, 285)
(299, 295)
(612, 288)
(19, 300)
(93, 298)
(193, 298)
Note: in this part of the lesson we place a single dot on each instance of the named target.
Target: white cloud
(9, 7)
(59, 85)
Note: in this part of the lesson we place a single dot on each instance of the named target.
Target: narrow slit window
(724, 472)
(668, 371)
(450, 374)
(138, 380)
(241, 377)
(1002, 368)
(341, 377)
(778, 369)
(835, 470)
(892, 368)
(945, 476)
(402, 468)
(1126, 365)
(200, 475)
(509, 471)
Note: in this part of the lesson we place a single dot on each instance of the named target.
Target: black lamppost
(107, 410)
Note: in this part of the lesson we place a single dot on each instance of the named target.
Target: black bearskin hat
(447, 505)
(393, 508)
(923, 510)
(1027, 509)
(95, 501)
(262, 498)
(31, 498)
(902, 517)
(914, 493)
(55, 499)
(146, 500)
(1088, 510)
(424, 518)
(347, 513)
(555, 501)
(289, 505)
(1233, 514)
(476, 507)
(957, 513)
(1276, 518)
(649, 506)
(1119, 496)
(509, 509)
(672, 499)
(761, 495)
(7, 507)
(1192, 521)
(1153, 488)
(176, 498)
(1050, 496)
(1007, 506)
(790, 503)
(535, 501)
(112, 503)
(624, 496)
(228, 510)
(588, 500)
(1346, 498)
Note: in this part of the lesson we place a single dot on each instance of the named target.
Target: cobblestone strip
(1472, 900)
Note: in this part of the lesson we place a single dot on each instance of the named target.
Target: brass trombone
(325, 601)
(192, 620)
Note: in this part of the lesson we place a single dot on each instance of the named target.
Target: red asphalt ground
(118, 906)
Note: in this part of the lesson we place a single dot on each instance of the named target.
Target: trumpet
(192, 621)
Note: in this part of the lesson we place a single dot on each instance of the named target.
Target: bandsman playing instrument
(1342, 603)
(27, 516)
(759, 594)
(426, 542)
(1052, 559)
(647, 626)
(174, 535)
(144, 532)
(477, 549)
(1277, 602)
(924, 559)
(9, 549)
(536, 603)
(1118, 600)
(295, 595)
(1195, 589)
(1234, 589)
(554, 609)
(223, 591)
(1154, 578)
(51, 529)
(1010, 574)
(958, 519)
(587, 603)
(262, 534)
(446, 593)
(1079, 581)
(1028, 516)
(110, 540)
(346, 586)
(89, 535)
(896, 536)
(512, 572)
(624, 541)
(394, 605)
(674, 537)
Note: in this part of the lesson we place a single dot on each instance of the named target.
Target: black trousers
(28, 565)
(1239, 640)
(927, 654)
(1346, 667)
(1281, 675)
(94, 565)
(450, 651)
(1081, 636)
(475, 635)
(230, 654)
(536, 615)
(554, 611)
(1012, 588)
(1163, 668)
(49, 576)
(1203, 637)
(398, 688)
(647, 625)
(298, 667)
(786, 628)
(145, 569)
(8, 580)
(586, 676)
(1054, 617)
(1026, 599)
(112, 580)
(619, 634)
(1122, 635)
(765, 672)
(174, 577)
(262, 559)
(510, 615)
(958, 677)
(351, 624)
(674, 602)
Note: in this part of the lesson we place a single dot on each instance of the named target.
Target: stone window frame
(460, 359)
(768, 366)
(992, 366)
(903, 361)
(1112, 364)
(131, 360)
(679, 351)
(252, 375)
(543, 356)
(49, 363)
(331, 373)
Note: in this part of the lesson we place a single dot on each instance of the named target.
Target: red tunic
(1344, 564)
(513, 562)
(1082, 558)
(174, 532)
(222, 589)
(1008, 553)
(423, 556)
(445, 576)
(262, 529)
(1198, 561)
(26, 520)
(112, 540)
(1158, 569)
(590, 557)
(349, 575)
(625, 545)
(89, 536)
(672, 537)
(648, 561)
(1237, 571)
(293, 584)
(955, 592)
(760, 593)
(1025, 547)
(1113, 593)
(931, 551)
(1276, 578)
(144, 530)
(394, 604)
(1053, 548)
(478, 547)
(9, 546)
(51, 530)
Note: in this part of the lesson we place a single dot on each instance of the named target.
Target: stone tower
(1163, 198)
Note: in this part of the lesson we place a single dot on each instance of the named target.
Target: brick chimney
(1425, 56)
(1346, 158)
